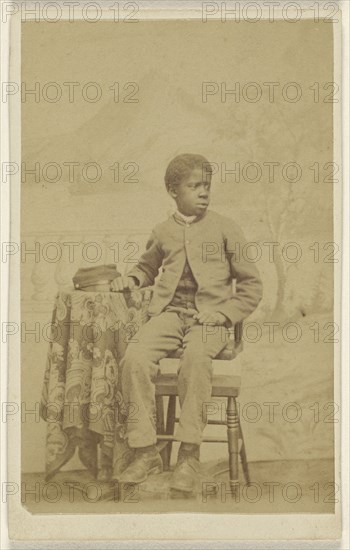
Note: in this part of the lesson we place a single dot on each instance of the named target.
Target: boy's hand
(210, 317)
(123, 283)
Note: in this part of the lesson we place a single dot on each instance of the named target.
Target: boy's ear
(172, 191)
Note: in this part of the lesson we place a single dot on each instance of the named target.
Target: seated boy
(200, 253)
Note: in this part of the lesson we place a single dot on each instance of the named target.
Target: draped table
(81, 399)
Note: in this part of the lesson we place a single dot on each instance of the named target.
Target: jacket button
(187, 242)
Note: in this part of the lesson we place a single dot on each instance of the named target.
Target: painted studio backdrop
(112, 104)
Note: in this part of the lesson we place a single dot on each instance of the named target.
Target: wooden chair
(224, 386)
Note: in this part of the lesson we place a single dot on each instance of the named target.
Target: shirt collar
(186, 219)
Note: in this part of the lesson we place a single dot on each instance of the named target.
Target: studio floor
(285, 486)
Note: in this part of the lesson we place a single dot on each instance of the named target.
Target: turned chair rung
(217, 422)
(212, 422)
(206, 439)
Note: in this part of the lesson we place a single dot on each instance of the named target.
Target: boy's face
(192, 195)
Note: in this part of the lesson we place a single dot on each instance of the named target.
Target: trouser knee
(195, 359)
(132, 362)
(137, 364)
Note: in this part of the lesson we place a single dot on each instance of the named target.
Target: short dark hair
(182, 165)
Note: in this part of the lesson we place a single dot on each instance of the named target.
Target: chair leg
(160, 425)
(170, 424)
(232, 437)
(160, 414)
(243, 455)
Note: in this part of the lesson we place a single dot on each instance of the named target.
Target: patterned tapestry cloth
(81, 396)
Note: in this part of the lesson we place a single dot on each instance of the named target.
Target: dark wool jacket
(213, 245)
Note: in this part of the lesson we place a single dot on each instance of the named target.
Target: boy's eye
(203, 184)
(199, 184)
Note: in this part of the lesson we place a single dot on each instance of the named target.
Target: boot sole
(152, 471)
(180, 494)
(182, 489)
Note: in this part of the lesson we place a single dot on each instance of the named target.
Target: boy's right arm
(146, 270)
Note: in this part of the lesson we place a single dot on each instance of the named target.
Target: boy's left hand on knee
(210, 317)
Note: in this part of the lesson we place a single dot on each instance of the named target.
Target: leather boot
(147, 461)
(185, 476)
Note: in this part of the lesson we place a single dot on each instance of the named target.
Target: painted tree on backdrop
(290, 191)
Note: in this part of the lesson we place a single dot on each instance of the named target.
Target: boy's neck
(185, 216)
(188, 219)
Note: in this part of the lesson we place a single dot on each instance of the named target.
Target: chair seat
(223, 385)
(227, 354)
